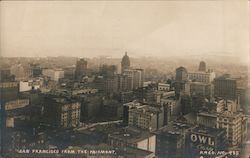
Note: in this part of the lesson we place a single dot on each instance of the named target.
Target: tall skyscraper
(111, 84)
(202, 66)
(125, 64)
(123, 83)
(225, 87)
(180, 80)
(181, 74)
(135, 78)
(138, 78)
(81, 69)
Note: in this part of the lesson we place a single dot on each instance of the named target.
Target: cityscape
(124, 79)
(97, 110)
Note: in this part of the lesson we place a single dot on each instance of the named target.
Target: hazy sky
(88, 29)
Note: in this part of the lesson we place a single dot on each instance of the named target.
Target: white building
(168, 94)
(205, 77)
(227, 105)
(84, 91)
(147, 83)
(163, 87)
(53, 74)
(16, 104)
(235, 125)
(30, 84)
(136, 76)
(146, 117)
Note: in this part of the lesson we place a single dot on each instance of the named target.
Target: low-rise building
(32, 84)
(132, 137)
(20, 113)
(84, 91)
(15, 104)
(205, 139)
(171, 140)
(207, 119)
(163, 87)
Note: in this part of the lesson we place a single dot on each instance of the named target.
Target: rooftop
(200, 83)
(201, 72)
(207, 131)
(147, 109)
(131, 135)
(134, 152)
(174, 128)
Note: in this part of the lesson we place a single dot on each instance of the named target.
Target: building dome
(125, 60)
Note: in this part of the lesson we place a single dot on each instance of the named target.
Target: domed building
(125, 64)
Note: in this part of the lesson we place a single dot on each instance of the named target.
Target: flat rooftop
(131, 135)
(207, 131)
(147, 109)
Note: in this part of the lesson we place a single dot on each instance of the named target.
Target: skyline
(142, 28)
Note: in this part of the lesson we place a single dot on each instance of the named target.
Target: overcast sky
(88, 29)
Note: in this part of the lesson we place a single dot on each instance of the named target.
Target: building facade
(225, 87)
(202, 89)
(135, 78)
(53, 74)
(146, 117)
(32, 84)
(206, 139)
(204, 77)
(61, 112)
(163, 87)
(235, 126)
(81, 69)
(181, 74)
